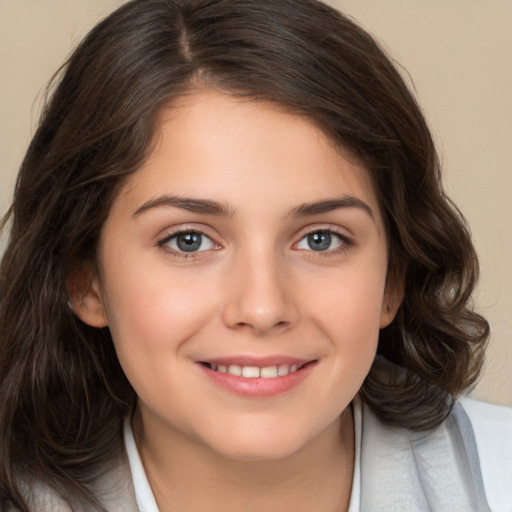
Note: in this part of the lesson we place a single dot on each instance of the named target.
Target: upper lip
(260, 362)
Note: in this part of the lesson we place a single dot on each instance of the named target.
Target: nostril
(283, 324)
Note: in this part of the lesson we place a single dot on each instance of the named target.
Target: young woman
(234, 282)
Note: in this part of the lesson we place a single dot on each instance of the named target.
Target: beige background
(459, 53)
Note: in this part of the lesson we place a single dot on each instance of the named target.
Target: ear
(393, 297)
(84, 294)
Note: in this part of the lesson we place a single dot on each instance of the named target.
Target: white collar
(143, 493)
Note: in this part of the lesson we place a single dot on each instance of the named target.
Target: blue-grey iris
(319, 241)
(189, 242)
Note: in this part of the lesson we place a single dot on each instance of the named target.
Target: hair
(63, 394)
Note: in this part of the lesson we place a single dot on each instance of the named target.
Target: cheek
(151, 319)
(347, 310)
(350, 302)
(150, 308)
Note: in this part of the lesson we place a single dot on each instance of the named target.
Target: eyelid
(328, 228)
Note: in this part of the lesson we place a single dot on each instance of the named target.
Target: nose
(259, 296)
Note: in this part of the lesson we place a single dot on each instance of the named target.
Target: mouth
(258, 377)
(255, 372)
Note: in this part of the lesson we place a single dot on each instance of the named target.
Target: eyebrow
(204, 206)
(209, 207)
(329, 205)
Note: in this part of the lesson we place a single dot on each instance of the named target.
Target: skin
(256, 288)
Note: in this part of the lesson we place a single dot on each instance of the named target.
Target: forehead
(245, 152)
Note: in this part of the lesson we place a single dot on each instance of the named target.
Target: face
(243, 278)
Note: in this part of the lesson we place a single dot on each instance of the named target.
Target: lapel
(432, 471)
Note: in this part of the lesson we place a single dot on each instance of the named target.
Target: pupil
(189, 242)
(320, 241)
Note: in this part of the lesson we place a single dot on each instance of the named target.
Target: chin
(259, 453)
(259, 446)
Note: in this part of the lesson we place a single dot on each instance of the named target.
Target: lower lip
(259, 387)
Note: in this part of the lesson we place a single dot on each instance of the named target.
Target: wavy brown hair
(63, 394)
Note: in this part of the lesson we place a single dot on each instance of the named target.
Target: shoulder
(113, 489)
(41, 497)
(492, 427)
(441, 469)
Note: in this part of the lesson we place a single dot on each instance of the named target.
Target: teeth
(269, 372)
(253, 372)
(234, 369)
(283, 369)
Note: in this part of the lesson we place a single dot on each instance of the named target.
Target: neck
(187, 477)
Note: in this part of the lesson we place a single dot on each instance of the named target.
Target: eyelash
(345, 243)
(163, 243)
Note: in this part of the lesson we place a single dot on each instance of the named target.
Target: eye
(188, 242)
(322, 240)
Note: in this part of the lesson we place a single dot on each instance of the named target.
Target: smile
(257, 379)
(254, 372)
